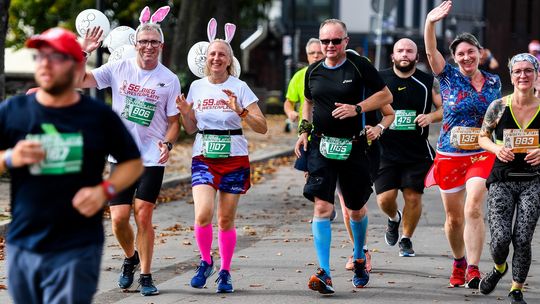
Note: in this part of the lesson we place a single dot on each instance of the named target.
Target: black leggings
(504, 198)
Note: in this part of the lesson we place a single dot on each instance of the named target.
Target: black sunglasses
(336, 41)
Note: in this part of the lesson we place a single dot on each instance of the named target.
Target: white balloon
(90, 18)
(122, 52)
(197, 59)
(119, 36)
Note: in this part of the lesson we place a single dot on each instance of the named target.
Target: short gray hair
(149, 27)
(311, 41)
(334, 21)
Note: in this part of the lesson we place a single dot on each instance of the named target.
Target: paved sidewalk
(275, 256)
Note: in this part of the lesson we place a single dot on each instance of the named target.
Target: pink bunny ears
(211, 30)
(156, 18)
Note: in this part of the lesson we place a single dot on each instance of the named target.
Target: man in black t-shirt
(333, 116)
(54, 144)
(406, 154)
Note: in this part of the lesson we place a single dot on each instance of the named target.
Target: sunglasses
(335, 41)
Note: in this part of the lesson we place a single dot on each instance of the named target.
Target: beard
(406, 68)
(61, 85)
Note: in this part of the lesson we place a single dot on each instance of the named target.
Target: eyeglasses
(153, 43)
(52, 57)
(314, 53)
(517, 73)
(336, 41)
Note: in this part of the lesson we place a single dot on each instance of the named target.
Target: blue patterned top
(462, 104)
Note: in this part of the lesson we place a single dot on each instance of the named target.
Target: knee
(119, 219)
(474, 212)
(143, 217)
(454, 221)
(203, 219)
(321, 209)
(225, 222)
(412, 199)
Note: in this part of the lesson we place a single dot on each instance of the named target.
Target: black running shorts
(392, 175)
(146, 188)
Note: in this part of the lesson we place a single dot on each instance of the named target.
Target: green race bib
(139, 112)
(63, 152)
(216, 146)
(335, 147)
(404, 120)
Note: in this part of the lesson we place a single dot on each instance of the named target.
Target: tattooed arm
(491, 119)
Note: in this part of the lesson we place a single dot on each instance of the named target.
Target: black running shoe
(128, 271)
(516, 297)
(405, 248)
(392, 231)
(490, 280)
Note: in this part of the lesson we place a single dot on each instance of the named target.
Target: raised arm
(90, 43)
(435, 58)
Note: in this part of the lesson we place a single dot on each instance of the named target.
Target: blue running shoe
(361, 276)
(128, 271)
(146, 285)
(224, 282)
(321, 282)
(202, 273)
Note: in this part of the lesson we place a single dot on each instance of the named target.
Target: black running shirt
(413, 93)
(347, 83)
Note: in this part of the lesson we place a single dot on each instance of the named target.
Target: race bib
(139, 112)
(216, 146)
(520, 141)
(63, 152)
(335, 147)
(465, 138)
(404, 120)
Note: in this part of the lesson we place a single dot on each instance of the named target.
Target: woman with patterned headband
(514, 181)
(461, 167)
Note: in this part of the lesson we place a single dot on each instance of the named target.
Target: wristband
(305, 127)
(382, 127)
(8, 158)
(108, 188)
(168, 144)
(85, 54)
(244, 113)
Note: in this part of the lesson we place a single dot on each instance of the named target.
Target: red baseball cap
(60, 39)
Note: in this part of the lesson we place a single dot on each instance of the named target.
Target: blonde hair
(231, 68)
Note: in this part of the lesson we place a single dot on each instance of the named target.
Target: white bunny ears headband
(197, 54)
(156, 18)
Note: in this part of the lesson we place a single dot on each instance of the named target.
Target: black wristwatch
(358, 109)
(169, 145)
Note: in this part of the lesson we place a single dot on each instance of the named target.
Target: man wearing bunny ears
(144, 94)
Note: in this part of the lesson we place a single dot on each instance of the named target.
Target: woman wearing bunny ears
(215, 108)
(144, 94)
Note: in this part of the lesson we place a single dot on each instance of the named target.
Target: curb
(186, 178)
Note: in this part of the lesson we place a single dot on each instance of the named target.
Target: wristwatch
(85, 54)
(109, 189)
(358, 109)
(168, 144)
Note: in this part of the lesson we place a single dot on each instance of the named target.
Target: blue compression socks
(359, 233)
(322, 237)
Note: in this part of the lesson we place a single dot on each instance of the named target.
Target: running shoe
(202, 273)
(127, 272)
(224, 282)
(490, 280)
(361, 276)
(321, 282)
(458, 276)
(146, 285)
(350, 263)
(516, 297)
(392, 231)
(406, 248)
(472, 278)
(368, 260)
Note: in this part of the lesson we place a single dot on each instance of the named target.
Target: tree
(4, 5)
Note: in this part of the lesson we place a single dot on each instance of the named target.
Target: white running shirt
(144, 99)
(212, 112)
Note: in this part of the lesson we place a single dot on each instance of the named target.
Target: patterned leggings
(503, 199)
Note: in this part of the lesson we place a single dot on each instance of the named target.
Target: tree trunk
(4, 6)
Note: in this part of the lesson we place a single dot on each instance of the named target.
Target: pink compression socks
(227, 243)
(204, 236)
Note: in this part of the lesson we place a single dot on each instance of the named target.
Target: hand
(344, 111)
(163, 152)
(439, 12)
(423, 120)
(92, 39)
(233, 105)
(27, 152)
(533, 157)
(373, 133)
(183, 106)
(301, 143)
(89, 200)
(293, 116)
(505, 154)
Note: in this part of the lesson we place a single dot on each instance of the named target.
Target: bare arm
(255, 119)
(188, 116)
(171, 135)
(435, 58)
(307, 114)
(91, 42)
(288, 108)
(374, 132)
(491, 118)
(374, 102)
(424, 120)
